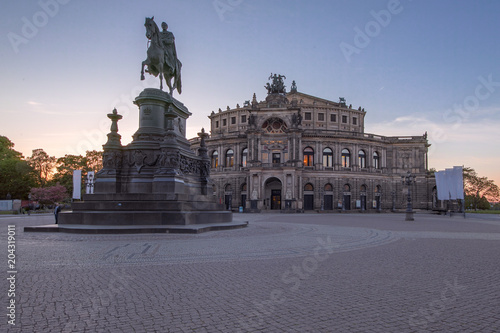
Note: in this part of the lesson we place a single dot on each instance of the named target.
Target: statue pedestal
(156, 179)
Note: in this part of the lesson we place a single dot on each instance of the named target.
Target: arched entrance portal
(272, 190)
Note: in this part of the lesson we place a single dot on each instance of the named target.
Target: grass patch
(484, 211)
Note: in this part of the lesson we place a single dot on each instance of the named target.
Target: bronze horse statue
(157, 63)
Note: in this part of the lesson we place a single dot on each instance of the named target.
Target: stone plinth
(145, 209)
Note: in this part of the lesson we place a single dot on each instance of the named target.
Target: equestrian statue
(162, 56)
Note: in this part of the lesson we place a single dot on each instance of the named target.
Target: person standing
(57, 209)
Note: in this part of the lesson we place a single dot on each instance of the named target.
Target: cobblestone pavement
(283, 273)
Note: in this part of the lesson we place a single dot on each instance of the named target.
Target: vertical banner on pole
(77, 184)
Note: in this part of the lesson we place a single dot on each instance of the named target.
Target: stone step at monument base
(137, 229)
(123, 218)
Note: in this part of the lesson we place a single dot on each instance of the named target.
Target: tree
(49, 195)
(94, 160)
(43, 164)
(7, 149)
(16, 176)
(65, 167)
(477, 188)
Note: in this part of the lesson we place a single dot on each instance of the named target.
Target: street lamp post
(408, 180)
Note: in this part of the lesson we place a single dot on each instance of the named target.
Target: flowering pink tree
(49, 195)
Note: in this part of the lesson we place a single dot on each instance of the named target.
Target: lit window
(244, 157)
(308, 156)
(215, 159)
(229, 158)
(362, 159)
(327, 157)
(276, 158)
(346, 158)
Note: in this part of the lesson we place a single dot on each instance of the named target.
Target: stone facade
(297, 152)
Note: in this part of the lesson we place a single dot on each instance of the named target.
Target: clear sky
(415, 66)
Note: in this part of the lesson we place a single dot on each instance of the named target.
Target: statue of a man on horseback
(162, 56)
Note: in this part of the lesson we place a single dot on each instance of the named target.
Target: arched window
(308, 187)
(308, 156)
(244, 187)
(346, 158)
(347, 188)
(215, 159)
(328, 188)
(244, 156)
(229, 158)
(376, 160)
(274, 125)
(362, 159)
(378, 189)
(327, 157)
(362, 197)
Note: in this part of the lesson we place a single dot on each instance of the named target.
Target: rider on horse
(168, 43)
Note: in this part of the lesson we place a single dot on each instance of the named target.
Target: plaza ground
(283, 273)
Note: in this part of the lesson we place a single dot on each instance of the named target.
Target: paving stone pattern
(283, 273)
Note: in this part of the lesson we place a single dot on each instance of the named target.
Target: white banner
(77, 184)
(450, 184)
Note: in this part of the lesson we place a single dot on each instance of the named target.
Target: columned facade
(297, 152)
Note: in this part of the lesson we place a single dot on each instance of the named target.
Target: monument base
(145, 209)
(154, 181)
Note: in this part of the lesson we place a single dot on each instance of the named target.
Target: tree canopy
(18, 175)
(479, 191)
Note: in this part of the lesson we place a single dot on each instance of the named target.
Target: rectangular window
(233, 120)
(307, 116)
(354, 121)
(276, 158)
(216, 124)
(224, 122)
(344, 119)
(244, 118)
(321, 116)
(333, 118)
